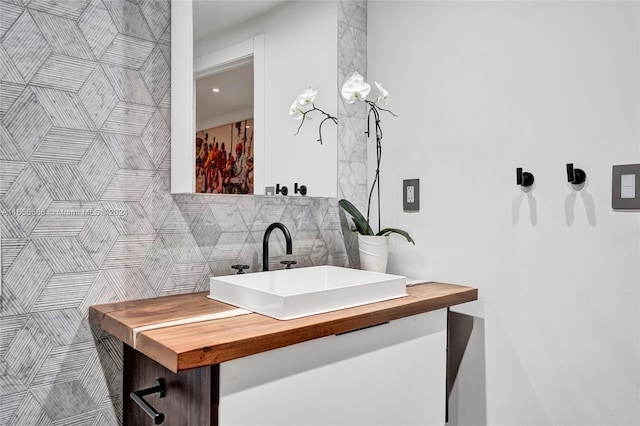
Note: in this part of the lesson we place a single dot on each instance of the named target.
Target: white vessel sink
(293, 293)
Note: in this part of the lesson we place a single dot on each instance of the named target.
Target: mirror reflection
(224, 131)
(300, 50)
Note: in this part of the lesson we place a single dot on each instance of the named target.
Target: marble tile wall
(85, 212)
(352, 119)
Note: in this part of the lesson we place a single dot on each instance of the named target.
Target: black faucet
(265, 243)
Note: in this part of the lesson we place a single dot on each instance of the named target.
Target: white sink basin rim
(293, 293)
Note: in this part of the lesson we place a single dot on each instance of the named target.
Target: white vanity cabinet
(391, 374)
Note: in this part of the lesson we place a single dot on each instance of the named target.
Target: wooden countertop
(198, 344)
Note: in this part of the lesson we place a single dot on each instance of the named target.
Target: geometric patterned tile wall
(85, 212)
(352, 119)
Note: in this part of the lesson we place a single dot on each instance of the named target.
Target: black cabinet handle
(138, 398)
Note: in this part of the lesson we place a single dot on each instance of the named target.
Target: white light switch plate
(628, 186)
(625, 181)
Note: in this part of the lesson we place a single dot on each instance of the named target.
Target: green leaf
(362, 226)
(387, 231)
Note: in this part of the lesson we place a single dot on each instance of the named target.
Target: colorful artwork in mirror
(224, 159)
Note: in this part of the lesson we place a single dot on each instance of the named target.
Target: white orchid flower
(295, 111)
(355, 88)
(383, 96)
(307, 96)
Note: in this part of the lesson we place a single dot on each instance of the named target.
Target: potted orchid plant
(373, 246)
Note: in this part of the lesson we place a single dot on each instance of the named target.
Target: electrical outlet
(411, 195)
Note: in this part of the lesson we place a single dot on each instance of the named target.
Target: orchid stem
(327, 117)
(375, 110)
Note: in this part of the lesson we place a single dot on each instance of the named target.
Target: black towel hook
(302, 189)
(281, 189)
(525, 179)
(575, 176)
(138, 397)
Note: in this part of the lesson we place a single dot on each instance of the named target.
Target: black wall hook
(281, 189)
(524, 178)
(302, 189)
(575, 176)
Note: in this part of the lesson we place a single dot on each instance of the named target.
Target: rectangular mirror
(292, 45)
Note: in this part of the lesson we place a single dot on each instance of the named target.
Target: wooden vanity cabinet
(377, 364)
(390, 374)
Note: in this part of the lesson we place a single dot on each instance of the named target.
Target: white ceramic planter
(374, 251)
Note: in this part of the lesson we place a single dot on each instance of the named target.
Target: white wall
(480, 89)
(221, 120)
(300, 51)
